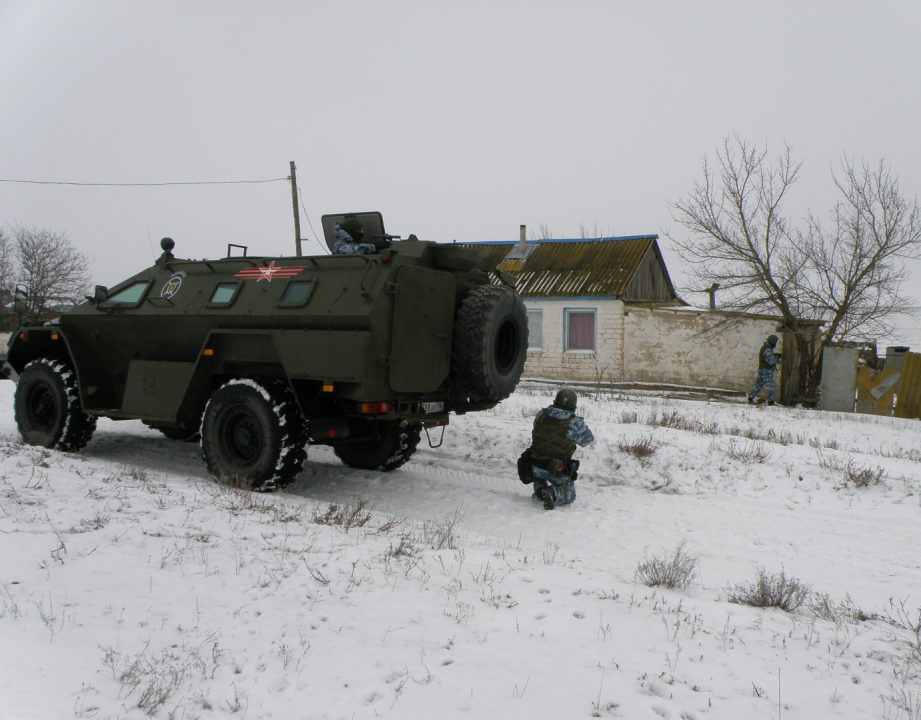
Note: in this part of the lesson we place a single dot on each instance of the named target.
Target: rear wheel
(396, 445)
(47, 407)
(253, 433)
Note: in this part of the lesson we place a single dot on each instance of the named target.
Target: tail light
(373, 408)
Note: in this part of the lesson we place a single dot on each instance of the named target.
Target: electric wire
(322, 245)
(161, 184)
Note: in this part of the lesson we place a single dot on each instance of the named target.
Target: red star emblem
(267, 272)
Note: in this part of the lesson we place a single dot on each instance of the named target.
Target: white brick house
(605, 310)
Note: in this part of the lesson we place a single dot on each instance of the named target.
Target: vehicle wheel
(174, 433)
(490, 343)
(47, 407)
(397, 444)
(253, 432)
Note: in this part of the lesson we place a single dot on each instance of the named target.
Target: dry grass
(770, 590)
(641, 447)
(345, 516)
(673, 570)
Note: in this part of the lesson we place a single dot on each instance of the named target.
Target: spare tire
(490, 343)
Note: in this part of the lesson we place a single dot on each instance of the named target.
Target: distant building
(605, 310)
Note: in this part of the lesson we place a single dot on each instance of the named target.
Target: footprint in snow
(578, 614)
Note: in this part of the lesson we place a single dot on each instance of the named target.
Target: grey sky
(455, 120)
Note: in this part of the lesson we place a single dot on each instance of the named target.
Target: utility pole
(297, 216)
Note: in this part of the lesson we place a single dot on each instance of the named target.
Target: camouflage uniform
(767, 363)
(549, 423)
(345, 245)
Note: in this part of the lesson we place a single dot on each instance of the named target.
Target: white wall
(682, 347)
(698, 348)
(553, 361)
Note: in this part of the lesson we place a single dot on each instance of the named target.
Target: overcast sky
(456, 120)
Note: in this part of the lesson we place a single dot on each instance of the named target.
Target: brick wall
(681, 347)
(555, 362)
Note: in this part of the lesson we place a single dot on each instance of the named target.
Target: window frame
(109, 304)
(300, 303)
(567, 312)
(531, 347)
(233, 297)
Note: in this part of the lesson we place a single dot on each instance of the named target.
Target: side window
(580, 329)
(131, 295)
(535, 329)
(296, 293)
(224, 294)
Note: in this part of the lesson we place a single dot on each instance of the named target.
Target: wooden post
(297, 216)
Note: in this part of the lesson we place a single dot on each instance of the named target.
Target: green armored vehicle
(261, 356)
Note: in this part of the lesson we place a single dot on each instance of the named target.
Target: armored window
(223, 293)
(535, 329)
(580, 330)
(131, 295)
(296, 293)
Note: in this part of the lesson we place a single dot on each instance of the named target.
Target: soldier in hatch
(557, 431)
(768, 360)
(349, 235)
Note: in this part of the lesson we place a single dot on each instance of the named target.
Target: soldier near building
(768, 360)
(556, 433)
(349, 235)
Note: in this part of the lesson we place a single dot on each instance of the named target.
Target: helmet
(566, 399)
(772, 340)
(352, 225)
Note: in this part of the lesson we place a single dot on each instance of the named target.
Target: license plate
(432, 407)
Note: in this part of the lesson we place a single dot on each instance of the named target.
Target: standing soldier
(768, 360)
(557, 431)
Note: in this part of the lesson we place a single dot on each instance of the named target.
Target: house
(605, 310)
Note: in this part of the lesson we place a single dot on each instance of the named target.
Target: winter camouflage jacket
(345, 245)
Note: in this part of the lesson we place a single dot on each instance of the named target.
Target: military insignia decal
(172, 286)
(267, 273)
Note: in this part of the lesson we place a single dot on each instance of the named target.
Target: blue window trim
(566, 311)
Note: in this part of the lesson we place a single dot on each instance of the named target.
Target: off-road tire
(490, 343)
(47, 407)
(253, 433)
(397, 444)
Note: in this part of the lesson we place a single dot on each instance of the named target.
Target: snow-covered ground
(132, 584)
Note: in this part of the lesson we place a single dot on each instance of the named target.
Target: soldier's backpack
(524, 467)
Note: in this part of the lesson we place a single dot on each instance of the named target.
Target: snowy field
(132, 585)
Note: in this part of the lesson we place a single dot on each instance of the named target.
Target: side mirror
(20, 299)
(101, 293)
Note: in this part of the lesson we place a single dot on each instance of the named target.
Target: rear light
(376, 407)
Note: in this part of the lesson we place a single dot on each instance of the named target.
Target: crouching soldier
(768, 360)
(557, 431)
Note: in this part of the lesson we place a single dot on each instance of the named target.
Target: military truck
(259, 357)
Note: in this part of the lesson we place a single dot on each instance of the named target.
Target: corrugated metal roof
(564, 268)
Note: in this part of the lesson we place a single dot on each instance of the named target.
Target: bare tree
(55, 272)
(7, 266)
(737, 234)
(544, 234)
(849, 276)
(856, 268)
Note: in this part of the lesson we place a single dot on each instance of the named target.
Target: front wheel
(396, 444)
(253, 433)
(47, 407)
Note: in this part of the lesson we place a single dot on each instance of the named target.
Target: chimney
(521, 237)
(712, 291)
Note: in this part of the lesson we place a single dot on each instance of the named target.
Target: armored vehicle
(259, 357)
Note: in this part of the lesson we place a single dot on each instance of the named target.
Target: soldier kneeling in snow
(557, 431)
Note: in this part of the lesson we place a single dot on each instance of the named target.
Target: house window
(535, 329)
(580, 329)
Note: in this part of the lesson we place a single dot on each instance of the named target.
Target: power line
(89, 184)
